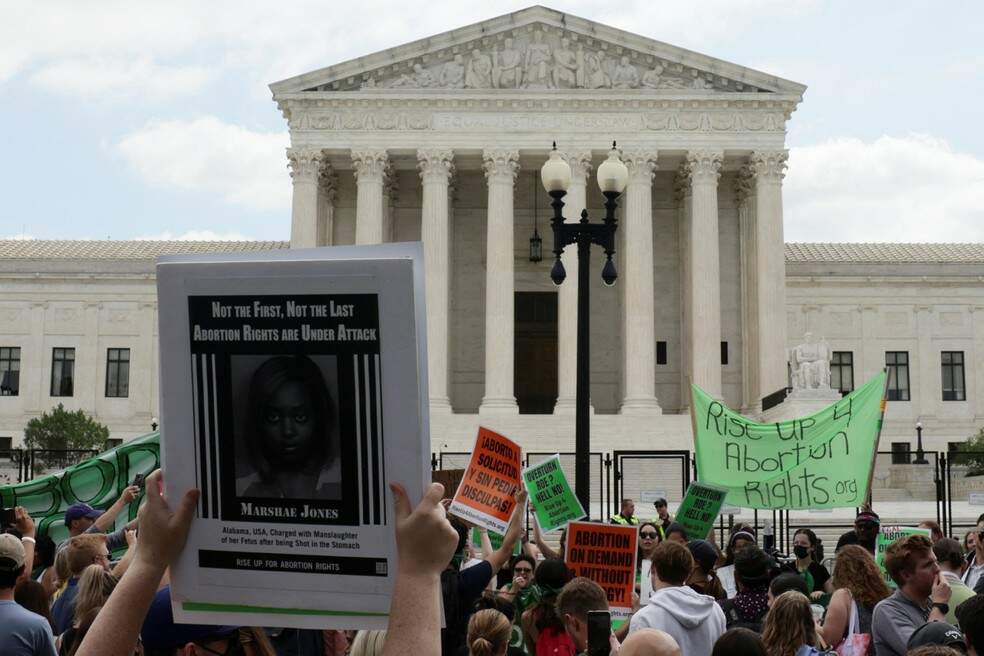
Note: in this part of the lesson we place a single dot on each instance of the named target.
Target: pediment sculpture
(544, 60)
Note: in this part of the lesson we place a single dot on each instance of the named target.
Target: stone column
(704, 328)
(768, 167)
(370, 177)
(327, 195)
(391, 192)
(576, 200)
(90, 364)
(501, 168)
(305, 164)
(684, 199)
(35, 381)
(436, 167)
(636, 278)
(744, 190)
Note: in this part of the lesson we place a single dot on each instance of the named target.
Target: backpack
(734, 620)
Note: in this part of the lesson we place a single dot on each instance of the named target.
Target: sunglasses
(522, 570)
(651, 535)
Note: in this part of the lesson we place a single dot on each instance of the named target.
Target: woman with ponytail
(488, 633)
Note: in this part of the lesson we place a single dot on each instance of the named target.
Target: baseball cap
(80, 510)
(867, 516)
(704, 553)
(11, 552)
(937, 633)
(160, 632)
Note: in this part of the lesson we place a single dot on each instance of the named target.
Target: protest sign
(886, 536)
(700, 508)
(606, 554)
(98, 481)
(486, 494)
(291, 394)
(820, 461)
(554, 503)
(495, 539)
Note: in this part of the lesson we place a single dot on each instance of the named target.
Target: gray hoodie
(694, 620)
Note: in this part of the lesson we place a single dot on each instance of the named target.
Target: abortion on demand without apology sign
(486, 494)
(819, 461)
(606, 554)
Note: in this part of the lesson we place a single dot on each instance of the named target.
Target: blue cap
(80, 510)
(160, 632)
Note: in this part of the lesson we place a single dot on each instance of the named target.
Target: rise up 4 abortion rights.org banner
(98, 481)
(820, 461)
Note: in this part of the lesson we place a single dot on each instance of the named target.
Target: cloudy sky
(153, 119)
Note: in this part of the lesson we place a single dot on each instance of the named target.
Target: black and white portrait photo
(286, 426)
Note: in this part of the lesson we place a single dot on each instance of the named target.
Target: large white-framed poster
(293, 388)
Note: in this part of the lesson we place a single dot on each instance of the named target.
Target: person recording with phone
(583, 606)
(82, 518)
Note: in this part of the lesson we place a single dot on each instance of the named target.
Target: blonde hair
(95, 586)
(368, 643)
(62, 571)
(83, 550)
(789, 625)
(488, 633)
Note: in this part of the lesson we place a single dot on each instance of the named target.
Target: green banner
(553, 500)
(98, 482)
(495, 539)
(819, 461)
(886, 536)
(700, 508)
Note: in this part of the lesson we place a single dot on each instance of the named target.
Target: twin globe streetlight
(612, 178)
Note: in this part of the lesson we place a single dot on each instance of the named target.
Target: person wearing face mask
(816, 576)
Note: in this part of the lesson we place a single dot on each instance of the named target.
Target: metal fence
(905, 491)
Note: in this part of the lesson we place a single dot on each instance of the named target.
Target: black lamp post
(153, 423)
(556, 177)
(536, 244)
(920, 454)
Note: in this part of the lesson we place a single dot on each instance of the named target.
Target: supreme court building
(441, 140)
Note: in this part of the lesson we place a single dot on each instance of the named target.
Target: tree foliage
(970, 453)
(65, 430)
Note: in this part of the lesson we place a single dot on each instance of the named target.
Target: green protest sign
(886, 536)
(98, 482)
(700, 508)
(553, 500)
(495, 539)
(820, 461)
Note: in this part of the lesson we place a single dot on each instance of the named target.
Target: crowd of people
(455, 598)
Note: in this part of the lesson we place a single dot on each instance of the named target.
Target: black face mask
(801, 551)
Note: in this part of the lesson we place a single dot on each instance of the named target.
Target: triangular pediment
(538, 49)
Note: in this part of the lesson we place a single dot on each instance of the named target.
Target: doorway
(535, 365)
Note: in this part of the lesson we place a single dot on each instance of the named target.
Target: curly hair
(789, 625)
(855, 569)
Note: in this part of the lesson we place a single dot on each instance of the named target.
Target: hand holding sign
(425, 540)
(551, 494)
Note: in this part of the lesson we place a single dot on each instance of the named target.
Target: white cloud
(195, 235)
(96, 44)
(98, 77)
(913, 188)
(246, 168)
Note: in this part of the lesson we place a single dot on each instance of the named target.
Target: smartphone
(8, 518)
(138, 480)
(599, 633)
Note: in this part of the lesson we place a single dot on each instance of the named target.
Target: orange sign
(485, 495)
(606, 554)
